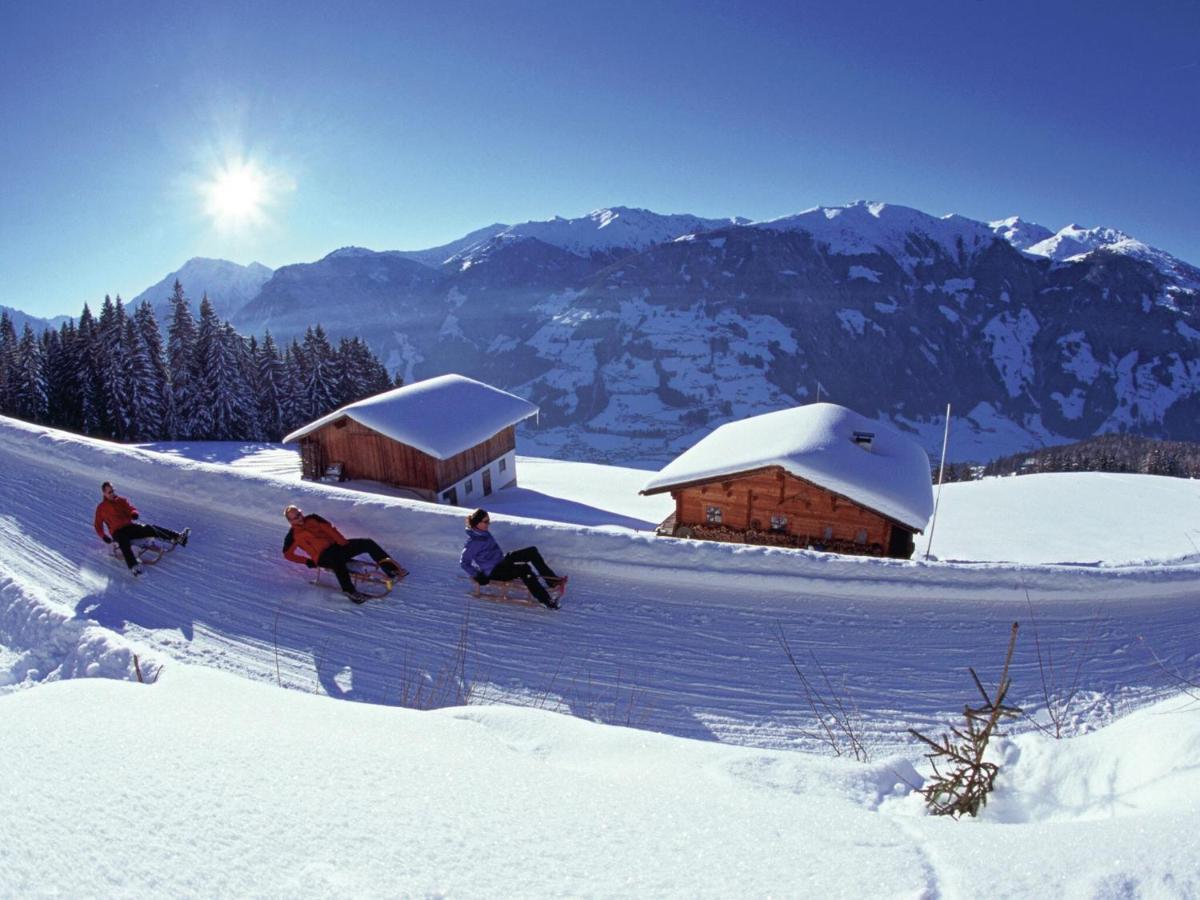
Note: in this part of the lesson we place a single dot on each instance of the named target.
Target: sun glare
(237, 195)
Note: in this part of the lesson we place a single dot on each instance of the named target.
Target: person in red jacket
(328, 548)
(119, 516)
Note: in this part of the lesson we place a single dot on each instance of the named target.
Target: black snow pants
(134, 531)
(517, 565)
(336, 557)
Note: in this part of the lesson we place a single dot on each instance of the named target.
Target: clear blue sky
(399, 125)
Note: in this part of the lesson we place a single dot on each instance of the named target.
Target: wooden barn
(449, 439)
(819, 476)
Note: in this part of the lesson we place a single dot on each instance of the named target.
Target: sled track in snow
(673, 636)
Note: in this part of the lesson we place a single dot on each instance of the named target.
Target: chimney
(864, 439)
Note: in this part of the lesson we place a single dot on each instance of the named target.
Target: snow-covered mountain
(601, 232)
(229, 286)
(1019, 233)
(638, 333)
(38, 324)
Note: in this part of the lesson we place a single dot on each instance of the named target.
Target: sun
(237, 195)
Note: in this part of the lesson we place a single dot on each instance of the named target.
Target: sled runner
(368, 578)
(148, 551)
(515, 591)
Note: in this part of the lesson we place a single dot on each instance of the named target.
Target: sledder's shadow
(114, 607)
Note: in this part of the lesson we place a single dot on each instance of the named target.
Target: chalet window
(503, 465)
(778, 522)
(827, 534)
(468, 487)
(451, 497)
(861, 537)
(341, 423)
(713, 514)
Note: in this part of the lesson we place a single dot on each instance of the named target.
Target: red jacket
(115, 513)
(313, 535)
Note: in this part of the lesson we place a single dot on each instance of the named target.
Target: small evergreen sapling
(967, 780)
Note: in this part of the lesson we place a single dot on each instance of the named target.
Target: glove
(480, 578)
(310, 563)
(134, 516)
(107, 539)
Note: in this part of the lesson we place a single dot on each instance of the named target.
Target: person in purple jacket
(484, 561)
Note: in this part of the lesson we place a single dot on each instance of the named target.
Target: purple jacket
(480, 553)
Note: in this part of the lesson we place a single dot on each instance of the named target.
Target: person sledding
(328, 548)
(484, 561)
(119, 517)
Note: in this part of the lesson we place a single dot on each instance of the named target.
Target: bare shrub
(968, 779)
(1057, 693)
(840, 722)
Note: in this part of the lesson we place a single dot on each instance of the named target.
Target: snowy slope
(207, 782)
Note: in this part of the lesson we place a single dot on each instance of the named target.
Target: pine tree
(114, 396)
(154, 382)
(87, 375)
(8, 364)
(62, 378)
(32, 402)
(270, 390)
(181, 364)
(320, 377)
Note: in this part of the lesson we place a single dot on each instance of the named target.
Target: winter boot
(183, 537)
(136, 570)
(358, 596)
(391, 568)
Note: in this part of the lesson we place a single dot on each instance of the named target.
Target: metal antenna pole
(941, 472)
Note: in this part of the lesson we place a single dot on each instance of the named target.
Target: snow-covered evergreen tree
(181, 363)
(154, 382)
(270, 389)
(115, 409)
(320, 374)
(87, 375)
(8, 364)
(32, 402)
(62, 378)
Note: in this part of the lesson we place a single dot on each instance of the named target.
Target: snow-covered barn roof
(817, 443)
(440, 416)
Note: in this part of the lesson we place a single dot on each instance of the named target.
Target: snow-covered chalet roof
(816, 443)
(440, 416)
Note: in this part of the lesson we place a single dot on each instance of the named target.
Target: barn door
(310, 459)
(487, 482)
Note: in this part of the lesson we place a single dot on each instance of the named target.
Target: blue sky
(405, 125)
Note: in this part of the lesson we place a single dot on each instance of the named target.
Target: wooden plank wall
(759, 495)
(458, 467)
(365, 453)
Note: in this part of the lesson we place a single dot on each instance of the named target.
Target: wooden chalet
(819, 476)
(449, 439)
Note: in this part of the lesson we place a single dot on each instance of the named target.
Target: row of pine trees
(111, 376)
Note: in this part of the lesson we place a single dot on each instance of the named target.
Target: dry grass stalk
(1057, 697)
(964, 788)
(840, 726)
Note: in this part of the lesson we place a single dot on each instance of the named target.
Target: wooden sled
(515, 591)
(147, 551)
(368, 578)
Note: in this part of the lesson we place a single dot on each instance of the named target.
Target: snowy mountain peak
(870, 226)
(601, 231)
(349, 253)
(229, 286)
(1075, 242)
(1019, 233)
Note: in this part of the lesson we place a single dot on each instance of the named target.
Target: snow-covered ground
(213, 780)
